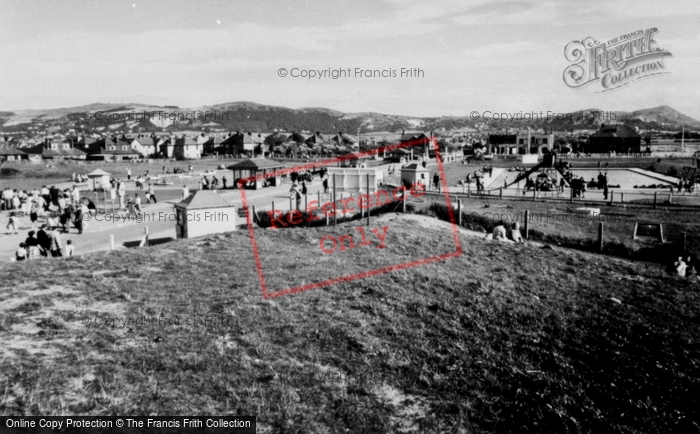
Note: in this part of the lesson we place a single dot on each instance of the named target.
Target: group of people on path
(46, 243)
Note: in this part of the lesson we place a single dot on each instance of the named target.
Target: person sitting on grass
(21, 253)
(515, 234)
(680, 266)
(499, 232)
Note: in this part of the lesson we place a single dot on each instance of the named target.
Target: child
(34, 213)
(21, 253)
(69, 248)
(12, 224)
(137, 204)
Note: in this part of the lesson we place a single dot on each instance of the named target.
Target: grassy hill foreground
(504, 338)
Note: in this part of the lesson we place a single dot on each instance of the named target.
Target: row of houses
(246, 144)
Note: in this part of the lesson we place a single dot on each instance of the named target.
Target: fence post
(612, 197)
(600, 237)
(306, 201)
(500, 193)
(319, 199)
(684, 242)
(273, 207)
(670, 198)
(335, 214)
(469, 190)
(111, 242)
(622, 197)
(403, 202)
(459, 212)
(368, 194)
(255, 215)
(655, 198)
(534, 193)
(526, 225)
(145, 234)
(291, 205)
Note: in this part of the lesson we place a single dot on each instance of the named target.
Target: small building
(254, 168)
(98, 179)
(12, 154)
(521, 144)
(54, 150)
(204, 212)
(615, 138)
(415, 174)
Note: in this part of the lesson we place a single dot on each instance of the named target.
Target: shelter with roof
(98, 179)
(254, 168)
(204, 212)
(614, 138)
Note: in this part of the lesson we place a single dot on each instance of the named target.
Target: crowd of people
(51, 211)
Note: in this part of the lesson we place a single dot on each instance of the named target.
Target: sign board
(654, 230)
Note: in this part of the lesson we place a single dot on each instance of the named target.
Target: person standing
(128, 174)
(76, 194)
(436, 181)
(304, 190)
(223, 181)
(56, 247)
(185, 192)
(34, 213)
(78, 222)
(137, 204)
(325, 185)
(151, 194)
(121, 191)
(12, 223)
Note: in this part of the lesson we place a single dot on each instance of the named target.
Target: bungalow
(318, 139)
(418, 143)
(247, 144)
(12, 154)
(51, 149)
(341, 139)
(111, 148)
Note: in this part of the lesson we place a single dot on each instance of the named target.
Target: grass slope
(504, 338)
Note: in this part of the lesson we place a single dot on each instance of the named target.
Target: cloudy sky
(505, 56)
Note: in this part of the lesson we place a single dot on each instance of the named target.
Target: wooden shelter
(98, 180)
(253, 168)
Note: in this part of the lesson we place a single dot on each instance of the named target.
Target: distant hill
(251, 116)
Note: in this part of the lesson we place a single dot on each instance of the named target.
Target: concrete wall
(211, 221)
(348, 178)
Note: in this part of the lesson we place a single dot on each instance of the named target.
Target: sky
(499, 56)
